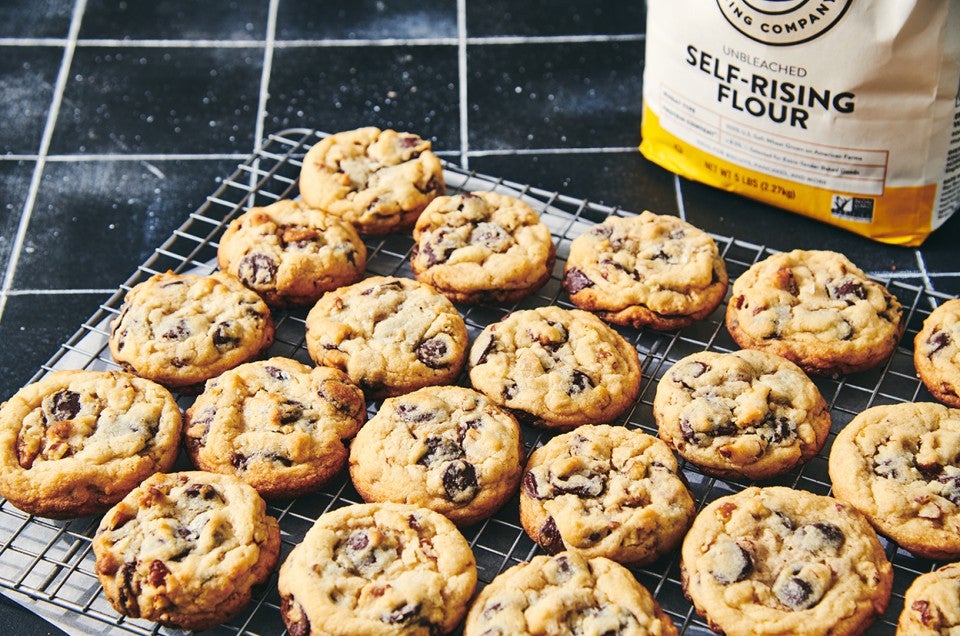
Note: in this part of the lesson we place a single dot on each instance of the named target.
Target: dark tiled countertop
(121, 117)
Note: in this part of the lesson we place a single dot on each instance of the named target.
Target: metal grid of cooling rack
(50, 565)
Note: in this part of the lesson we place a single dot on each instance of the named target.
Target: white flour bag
(847, 111)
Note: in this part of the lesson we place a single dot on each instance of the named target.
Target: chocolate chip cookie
(816, 309)
(556, 368)
(605, 491)
(648, 270)
(185, 549)
(746, 414)
(277, 424)
(182, 329)
(290, 254)
(75, 442)
(782, 561)
(936, 353)
(931, 606)
(899, 465)
(378, 569)
(482, 247)
(564, 595)
(378, 180)
(390, 335)
(446, 448)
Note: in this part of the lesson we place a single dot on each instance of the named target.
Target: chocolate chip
(922, 608)
(951, 490)
(574, 281)
(549, 537)
(126, 592)
(180, 332)
(65, 405)
(410, 141)
(938, 340)
(780, 429)
(403, 614)
(440, 449)
(358, 540)
(277, 374)
(432, 353)
(204, 491)
(492, 609)
(579, 382)
(847, 288)
(795, 593)
(178, 362)
(580, 485)
(158, 573)
(689, 371)
(435, 255)
(294, 618)
(510, 390)
(257, 270)
(601, 231)
(491, 347)
(460, 482)
(290, 411)
(783, 279)
(223, 339)
(239, 461)
(433, 185)
(531, 486)
(413, 413)
(492, 236)
(820, 535)
(731, 563)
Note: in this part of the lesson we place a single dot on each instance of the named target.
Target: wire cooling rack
(49, 565)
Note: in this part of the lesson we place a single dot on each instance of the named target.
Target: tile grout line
(681, 209)
(329, 42)
(462, 80)
(266, 72)
(16, 248)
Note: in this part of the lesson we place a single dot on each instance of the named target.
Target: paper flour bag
(847, 111)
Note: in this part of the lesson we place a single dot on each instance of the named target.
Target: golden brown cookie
(185, 549)
(446, 448)
(182, 329)
(277, 424)
(899, 465)
(556, 368)
(647, 270)
(564, 595)
(605, 491)
(290, 254)
(75, 442)
(931, 606)
(482, 247)
(390, 335)
(775, 560)
(378, 569)
(378, 180)
(746, 413)
(936, 353)
(817, 309)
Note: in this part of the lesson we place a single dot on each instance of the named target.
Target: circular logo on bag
(783, 22)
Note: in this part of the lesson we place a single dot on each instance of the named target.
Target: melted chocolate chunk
(493, 236)
(510, 390)
(951, 490)
(795, 593)
(574, 280)
(158, 573)
(294, 618)
(204, 491)
(180, 332)
(434, 255)
(601, 231)
(223, 339)
(491, 347)
(277, 374)
(257, 270)
(413, 413)
(580, 485)
(549, 538)
(731, 563)
(848, 288)
(938, 340)
(820, 535)
(65, 405)
(404, 614)
(783, 279)
(290, 411)
(433, 353)
(531, 487)
(579, 382)
(433, 185)
(440, 449)
(691, 371)
(460, 481)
